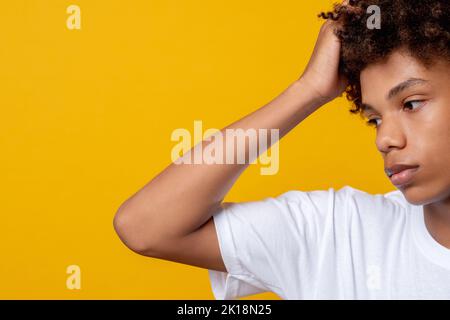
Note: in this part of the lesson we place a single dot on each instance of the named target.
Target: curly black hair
(420, 26)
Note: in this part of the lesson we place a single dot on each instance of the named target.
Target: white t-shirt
(344, 244)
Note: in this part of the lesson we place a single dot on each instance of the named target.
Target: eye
(373, 123)
(411, 104)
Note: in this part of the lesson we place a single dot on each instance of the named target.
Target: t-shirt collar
(432, 249)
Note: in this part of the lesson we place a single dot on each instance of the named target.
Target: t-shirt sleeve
(267, 244)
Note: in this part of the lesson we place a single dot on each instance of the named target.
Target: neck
(437, 220)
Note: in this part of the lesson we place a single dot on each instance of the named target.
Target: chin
(423, 195)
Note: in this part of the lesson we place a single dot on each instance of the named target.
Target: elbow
(129, 231)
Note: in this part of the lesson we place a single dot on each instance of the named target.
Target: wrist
(313, 97)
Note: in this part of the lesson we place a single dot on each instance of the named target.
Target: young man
(344, 244)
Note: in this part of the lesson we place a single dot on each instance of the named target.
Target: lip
(403, 177)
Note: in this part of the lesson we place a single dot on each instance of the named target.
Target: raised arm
(171, 216)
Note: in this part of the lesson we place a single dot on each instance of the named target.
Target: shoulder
(350, 201)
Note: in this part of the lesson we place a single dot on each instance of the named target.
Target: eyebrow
(395, 91)
(403, 86)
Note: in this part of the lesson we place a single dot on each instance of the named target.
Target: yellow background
(86, 119)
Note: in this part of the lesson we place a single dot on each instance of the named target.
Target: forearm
(184, 196)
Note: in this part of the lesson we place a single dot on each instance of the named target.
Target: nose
(390, 135)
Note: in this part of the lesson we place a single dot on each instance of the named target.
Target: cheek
(430, 134)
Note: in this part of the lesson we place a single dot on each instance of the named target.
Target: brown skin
(416, 133)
